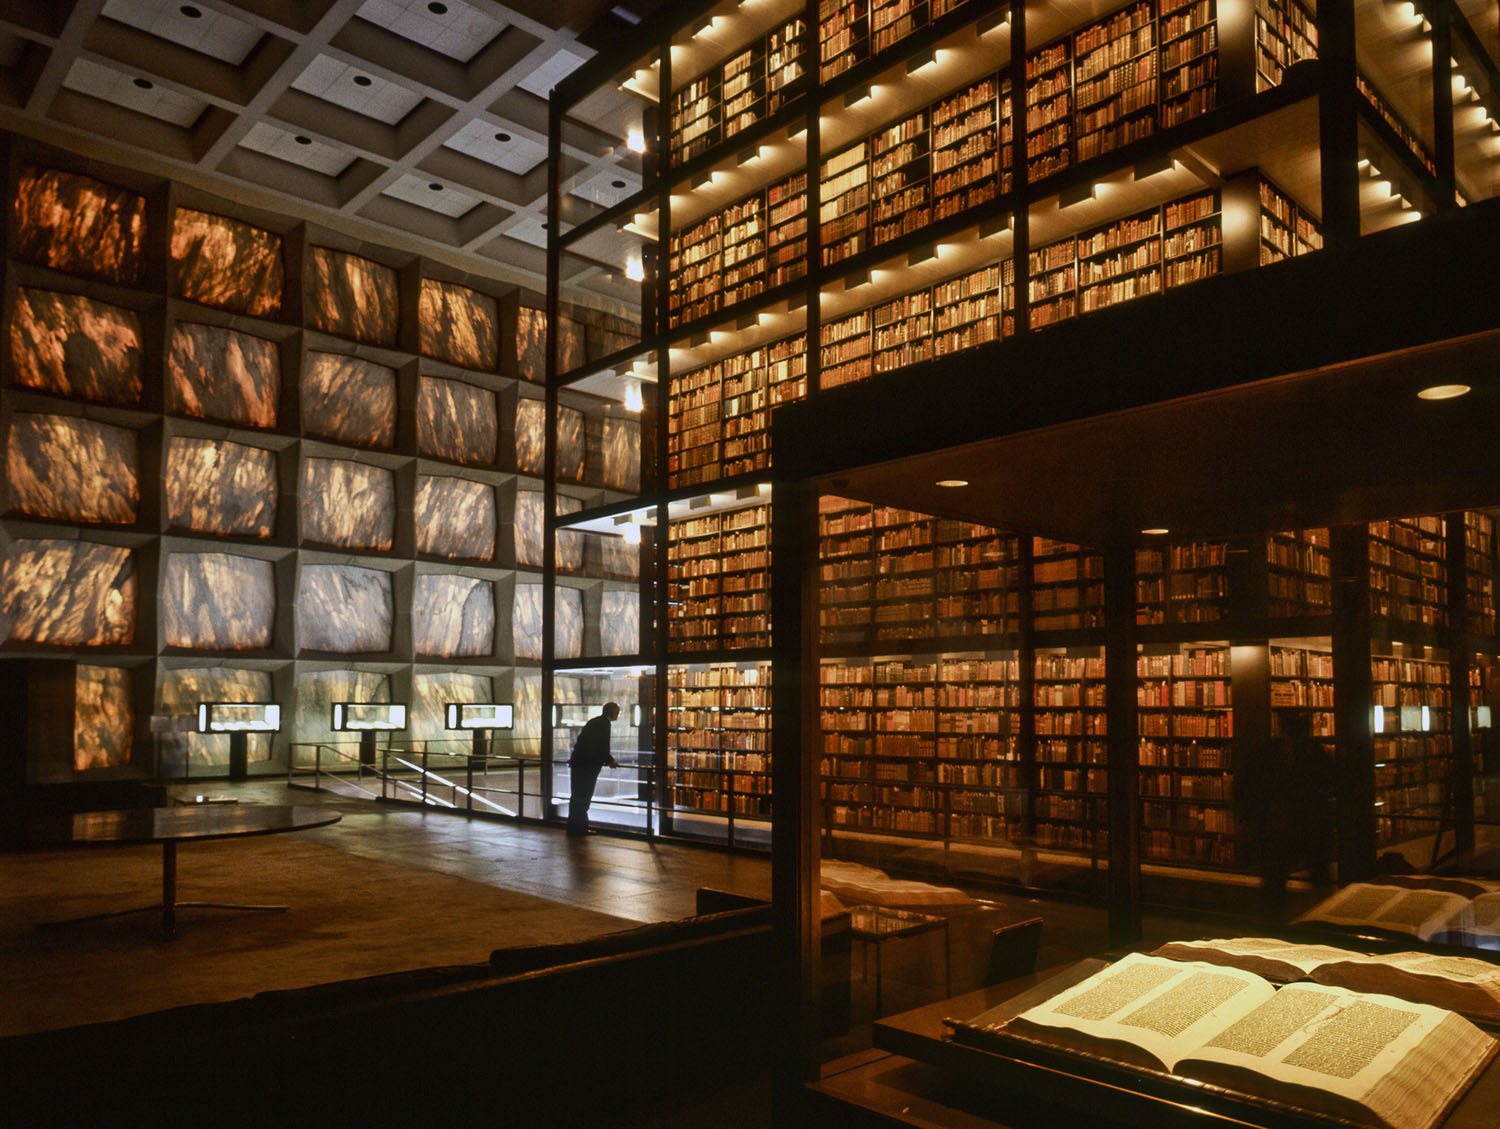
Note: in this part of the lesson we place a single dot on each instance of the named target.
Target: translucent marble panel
(526, 622)
(317, 690)
(215, 486)
(348, 504)
(222, 262)
(430, 695)
(459, 325)
(570, 445)
(218, 602)
(349, 296)
(75, 346)
(455, 518)
(73, 469)
(572, 349)
(69, 593)
(531, 436)
(222, 374)
(349, 399)
(182, 690)
(530, 508)
(618, 558)
(80, 225)
(621, 453)
(531, 344)
(103, 717)
(453, 617)
(526, 704)
(570, 542)
(620, 623)
(345, 609)
(456, 421)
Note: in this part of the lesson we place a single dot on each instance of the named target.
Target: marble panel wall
(459, 325)
(453, 616)
(353, 297)
(346, 609)
(222, 374)
(182, 690)
(73, 469)
(74, 346)
(572, 349)
(531, 344)
(526, 622)
(530, 508)
(526, 707)
(430, 695)
(570, 542)
(618, 558)
(457, 421)
(570, 445)
(349, 400)
(317, 690)
(620, 623)
(215, 486)
(80, 225)
(103, 718)
(621, 454)
(222, 262)
(348, 504)
(68, 593)
(455, 518)
(218, 602)
(531, 436)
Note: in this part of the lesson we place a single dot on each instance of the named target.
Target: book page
(1265, 956)
(1416, 912)
(1164, 1007)
(1404, 1062)
(1462, 984)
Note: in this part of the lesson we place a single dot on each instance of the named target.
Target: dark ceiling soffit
(1410, 286)
(640, 39)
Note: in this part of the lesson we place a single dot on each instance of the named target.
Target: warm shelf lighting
(1157, 531)
(634, 401)
(856, 96)
(921, 61)
(632, 534)
(952, 483)
(1443, 392)
(635, 141)
(635, 270)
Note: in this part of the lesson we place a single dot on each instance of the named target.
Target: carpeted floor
(349, 916)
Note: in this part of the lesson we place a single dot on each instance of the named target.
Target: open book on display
(1426, 913)
(1370, 1060)
(1458, 983)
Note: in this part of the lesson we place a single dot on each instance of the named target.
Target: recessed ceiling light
(190, 12)
(617, 184)
(502, 137)
(952, 483)
(302, 139)
(435, 186)
(362, 80)
(1443, 392)
(1156, 532)
(144, 83)
(437, 9)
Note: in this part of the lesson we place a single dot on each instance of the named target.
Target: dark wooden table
(170, 827)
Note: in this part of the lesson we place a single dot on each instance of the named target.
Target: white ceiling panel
(354, 88)
(433, 195)
(133, 92)
(500, 145)
(195, 26)
(450, 27)
(296, 149)
(550, 72)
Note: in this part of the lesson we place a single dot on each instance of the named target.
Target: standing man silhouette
(590, 755)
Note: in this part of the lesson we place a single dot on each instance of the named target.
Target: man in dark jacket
(590, 755)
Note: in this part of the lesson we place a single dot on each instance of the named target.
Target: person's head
(611, 710)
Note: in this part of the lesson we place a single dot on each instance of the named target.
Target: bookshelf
(843, 36)
(971, 142)
(1120, 262)
(695, 117)
(1479, 571)
(1285, 33)
(844, 203)
(718, 581)
(900, 179)
(1408, 570)
(694, 425)
(1067, 586)
(696, 260)
(786, 230)
(1412, 727)
(1114, 81)
(719, 739)
(1186, 724)
(1286, 229)
(1299, 573)
(1049, 110)
(1188, 32)
(1302, 682)
(1071, 754)
(1182, 583)
(1404, 133)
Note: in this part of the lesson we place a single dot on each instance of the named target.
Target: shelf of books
(900, 179)
(1484, 692)
(1182, 583)
(1408, 570)
(1114, 81)
(719, 739)
(844, 203)
(718, 581)
(888, 574)
(851, 31)
(1285, 33)
(1404, 133)
(1071, 754)
(1299, 573)
(1413, 742)
(1302, 684)
(695, 428)
(1173, 245)
(786, 235)
(1188, 33)
(748, 87)
(695, 257)
(922, 745)
(1480, 569)
(1049, 110)
(972, 133)
(1067, 586)
(1186, 724)
(1285, 228)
